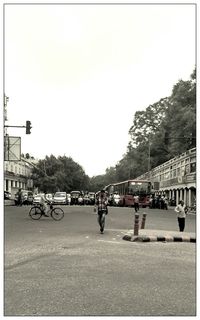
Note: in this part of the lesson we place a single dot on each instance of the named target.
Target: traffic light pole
(14, 126)
(27, 126)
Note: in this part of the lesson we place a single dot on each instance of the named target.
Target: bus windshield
(139, 187)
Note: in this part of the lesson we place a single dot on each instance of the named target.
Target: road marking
(109, 241)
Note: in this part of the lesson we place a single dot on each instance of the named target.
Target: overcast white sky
(80, 72)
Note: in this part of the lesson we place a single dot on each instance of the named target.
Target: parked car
(27, 197)
(7, 195)
(86, 199)
(91, 198)
(60, 198)
(37, 197)
(74, 197)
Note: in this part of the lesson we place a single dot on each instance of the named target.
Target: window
(187, 169)
(193, 167)
(182, 171)
(167, 175)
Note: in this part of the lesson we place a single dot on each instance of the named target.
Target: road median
(160, 236)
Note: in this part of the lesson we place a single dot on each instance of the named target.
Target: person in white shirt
(136, 202)
(43, 202)
(181, 215)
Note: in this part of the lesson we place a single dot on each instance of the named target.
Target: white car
(37, 198)
(60, 198)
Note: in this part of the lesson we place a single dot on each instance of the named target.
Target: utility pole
(149, 158)
(6, 100)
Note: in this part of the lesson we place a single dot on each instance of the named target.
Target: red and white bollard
(143, 220)
(136, 225)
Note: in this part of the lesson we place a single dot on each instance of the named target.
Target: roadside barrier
(143, 220)
(136, 224)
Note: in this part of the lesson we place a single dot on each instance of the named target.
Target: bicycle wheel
(35, 213)
(57, 214)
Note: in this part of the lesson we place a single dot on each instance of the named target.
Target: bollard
(136, 225)
(143, 220)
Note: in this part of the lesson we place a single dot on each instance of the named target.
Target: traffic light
(28, 127)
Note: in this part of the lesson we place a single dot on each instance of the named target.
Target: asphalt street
(67, 268)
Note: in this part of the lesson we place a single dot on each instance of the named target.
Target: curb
(9, 202)
(159, 238)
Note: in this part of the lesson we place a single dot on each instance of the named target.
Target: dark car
(7, 195)
(74, 197)
(92, 197)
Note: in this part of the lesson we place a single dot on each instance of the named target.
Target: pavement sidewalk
(147, 235)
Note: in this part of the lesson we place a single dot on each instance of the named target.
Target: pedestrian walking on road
(20, 200)
(136, 202)
(101, 207)
(181, 215)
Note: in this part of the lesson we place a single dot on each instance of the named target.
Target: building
(176, 178)
(17, 174)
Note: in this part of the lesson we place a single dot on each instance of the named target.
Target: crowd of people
(159, 202)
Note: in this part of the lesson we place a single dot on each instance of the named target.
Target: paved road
(69, 268)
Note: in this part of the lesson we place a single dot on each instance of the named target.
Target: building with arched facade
(176, 178)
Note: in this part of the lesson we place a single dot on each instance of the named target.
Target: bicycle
(36, 212)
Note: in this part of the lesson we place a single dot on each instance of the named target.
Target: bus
(127, 189)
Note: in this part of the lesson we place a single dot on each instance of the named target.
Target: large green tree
(173, 117)
(59, 174)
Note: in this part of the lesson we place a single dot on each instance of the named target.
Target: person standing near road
(20, 200)
(136, 202)
(101, 207)
(181, 215)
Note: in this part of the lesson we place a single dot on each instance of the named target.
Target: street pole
(149, 158)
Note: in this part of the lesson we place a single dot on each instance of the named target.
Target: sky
(80, 72)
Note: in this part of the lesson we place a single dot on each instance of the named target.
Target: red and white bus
(128, 189)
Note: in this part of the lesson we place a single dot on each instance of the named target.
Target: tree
(180, 120)
(174, 115)
(53, 174)
(148, 121)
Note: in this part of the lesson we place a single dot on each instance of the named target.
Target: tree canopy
(59, 174)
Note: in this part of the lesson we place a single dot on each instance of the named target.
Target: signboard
(12, 148)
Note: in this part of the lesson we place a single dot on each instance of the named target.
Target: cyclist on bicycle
(101, 205)
(43, 203)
